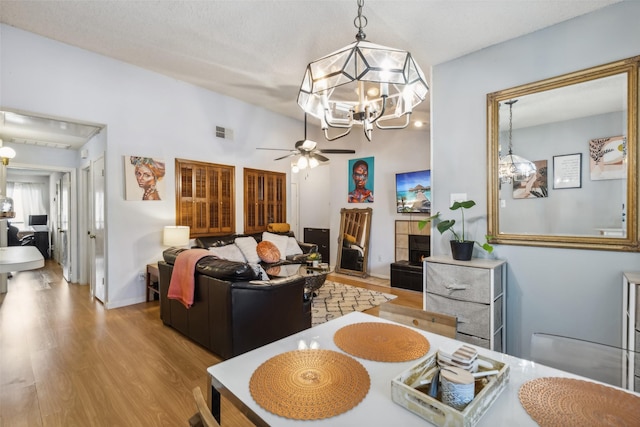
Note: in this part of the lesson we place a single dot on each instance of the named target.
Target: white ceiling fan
(310, 154)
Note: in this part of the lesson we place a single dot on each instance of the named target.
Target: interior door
(62, 238)
(98, 280)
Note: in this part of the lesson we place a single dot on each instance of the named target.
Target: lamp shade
(7, 152)
(175, 235)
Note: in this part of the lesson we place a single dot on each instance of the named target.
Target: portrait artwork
(361, 180)
(144, 178)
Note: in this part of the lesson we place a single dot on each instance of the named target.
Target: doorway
(96, 221)
(37, 138)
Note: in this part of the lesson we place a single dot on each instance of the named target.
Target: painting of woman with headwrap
(143, 178)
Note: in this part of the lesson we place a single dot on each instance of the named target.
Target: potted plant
(461, 248)
(314, 259)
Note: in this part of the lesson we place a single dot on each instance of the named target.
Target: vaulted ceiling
(257, 50)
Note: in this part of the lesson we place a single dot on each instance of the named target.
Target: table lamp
(175, 235)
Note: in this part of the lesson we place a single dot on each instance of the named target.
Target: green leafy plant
(447, 224)
(314, 256)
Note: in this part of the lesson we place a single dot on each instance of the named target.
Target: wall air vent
(224, 133)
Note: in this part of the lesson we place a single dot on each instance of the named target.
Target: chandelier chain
(510, 126)
(511, 102)
(360, 22)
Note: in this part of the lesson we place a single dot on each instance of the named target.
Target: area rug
(335, 300)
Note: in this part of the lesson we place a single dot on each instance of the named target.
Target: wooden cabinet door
(205, 197)
(276, 198)
(250, 201)
(221, 200)
(264, 199)
(192, 197)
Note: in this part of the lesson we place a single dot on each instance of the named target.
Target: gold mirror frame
(629, 240)
(353, 251)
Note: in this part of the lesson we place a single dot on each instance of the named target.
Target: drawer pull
(456, 287)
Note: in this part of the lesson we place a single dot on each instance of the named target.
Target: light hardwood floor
(67, 361)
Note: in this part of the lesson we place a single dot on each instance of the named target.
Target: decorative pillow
(293, 248)
(247, 246)
(281, 241)
(349, 239)
(268, 252)
(278, 227)
(230, 252)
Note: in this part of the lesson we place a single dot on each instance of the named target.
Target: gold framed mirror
(353, 242)
(574, 183)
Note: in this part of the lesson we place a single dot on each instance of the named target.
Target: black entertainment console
(406, 275)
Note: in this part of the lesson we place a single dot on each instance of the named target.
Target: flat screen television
(413, 192)
(37, 219)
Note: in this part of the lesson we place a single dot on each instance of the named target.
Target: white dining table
(20, 258)
(231, 380)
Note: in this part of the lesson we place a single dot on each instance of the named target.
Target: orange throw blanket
(182, 282)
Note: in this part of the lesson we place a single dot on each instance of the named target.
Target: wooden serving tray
(407, 393)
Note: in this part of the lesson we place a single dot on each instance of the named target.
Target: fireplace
(419, 248)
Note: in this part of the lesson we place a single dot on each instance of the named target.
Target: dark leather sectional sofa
(230, 315)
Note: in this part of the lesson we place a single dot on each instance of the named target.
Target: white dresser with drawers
(473, 291)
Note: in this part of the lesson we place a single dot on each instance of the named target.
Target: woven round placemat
(382, 342)
(555, 401)
(309, 384)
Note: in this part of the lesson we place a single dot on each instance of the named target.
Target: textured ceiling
(257, 51)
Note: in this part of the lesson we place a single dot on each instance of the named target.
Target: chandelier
(512, 165)
(362, 84)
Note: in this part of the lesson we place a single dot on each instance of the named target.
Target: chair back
(204, 417)
(593, 360)
(429, 321)
(12, 235)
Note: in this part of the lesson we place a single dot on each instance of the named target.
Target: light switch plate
(457, 197)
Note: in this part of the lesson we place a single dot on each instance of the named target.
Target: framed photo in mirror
(567, 171)
(607, 158)
(534, 186)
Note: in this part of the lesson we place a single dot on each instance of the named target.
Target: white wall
(549, 215)
(145, 114)
(569, 292)
(323, 191)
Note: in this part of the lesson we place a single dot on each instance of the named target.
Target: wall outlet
(457, 197)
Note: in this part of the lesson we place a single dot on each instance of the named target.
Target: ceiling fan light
(294, 167)
(313, 162)
(308, 145)
(302, 162)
